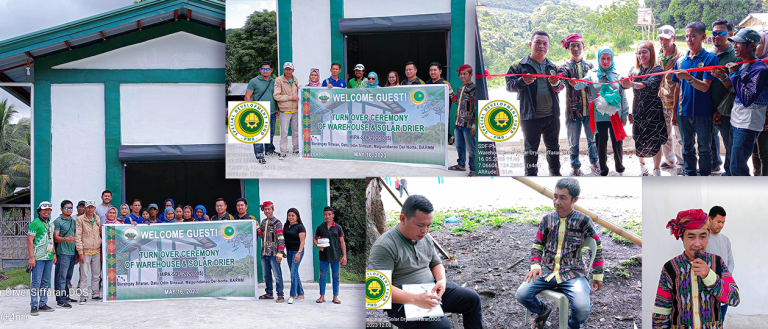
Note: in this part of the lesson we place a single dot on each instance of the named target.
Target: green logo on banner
(228, 232)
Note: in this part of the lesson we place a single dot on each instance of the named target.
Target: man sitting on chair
(556, 258)
(410, 254)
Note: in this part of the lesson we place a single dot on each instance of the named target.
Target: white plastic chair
(559, 297)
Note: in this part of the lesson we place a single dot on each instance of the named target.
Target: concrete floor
(196, 313)
(745, 321)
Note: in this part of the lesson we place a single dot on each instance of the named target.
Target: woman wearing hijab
(648, 126)
(373, 80)
(111, 216)
(393, 79)
(167, 203)
(314, 78)
(200, 214)
(760, 151)
(170, 215)
(613, 96)
(124, 211)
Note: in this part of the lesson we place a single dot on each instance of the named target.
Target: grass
(345, 276)
(472, 219)
(621, 269)
(633, 225)
(466, 227)
(16, 276)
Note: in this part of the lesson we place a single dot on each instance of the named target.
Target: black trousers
(533, 131)
(455, 300)
(603, 127)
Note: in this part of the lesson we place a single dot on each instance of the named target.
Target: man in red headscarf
(693, 284)
(466, 119)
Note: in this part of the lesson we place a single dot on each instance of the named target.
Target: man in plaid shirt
(556, 257)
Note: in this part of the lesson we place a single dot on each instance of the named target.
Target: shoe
(667, 166)
(336, 300)
(681, 171)
(83, 300)
(290, 300)
(576, 172)
(280, 299)
(33, 311)
(271, 154)
(63, 305)
(621, 174)
(96, 297)
(716, 168)
(644, 170)
(595, 170)
(657, 172)
(262, 160)
(281, 156)
(554, 173)
(72, 300)
(45, 308)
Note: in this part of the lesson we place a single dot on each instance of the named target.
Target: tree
(248, 46)
(14, 150)
(348, 199)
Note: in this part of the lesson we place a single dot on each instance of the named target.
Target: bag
(726, 105)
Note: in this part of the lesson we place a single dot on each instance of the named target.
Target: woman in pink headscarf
(314, 78)
(760, 151)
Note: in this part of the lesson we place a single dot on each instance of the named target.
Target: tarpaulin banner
(179, 260)
(404, 124)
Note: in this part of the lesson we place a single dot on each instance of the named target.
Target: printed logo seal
(499, 121)
(378, 289)
(418, 97)
(249, 122)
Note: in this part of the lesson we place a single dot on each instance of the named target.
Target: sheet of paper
(413, 312)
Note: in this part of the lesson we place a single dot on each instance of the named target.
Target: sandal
(336, 301)
(457, 168)
(280, 299)
(541, 319)
(472, 173)
(265, 296)
(320, 300)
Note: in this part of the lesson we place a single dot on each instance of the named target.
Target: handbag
(726, 105)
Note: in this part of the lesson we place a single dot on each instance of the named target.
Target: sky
(238, 10)
(19, 17)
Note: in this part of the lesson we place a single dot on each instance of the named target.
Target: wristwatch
(724, 79)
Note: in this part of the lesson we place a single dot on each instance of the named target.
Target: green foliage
(525, 6)
(432, 135)
(633, 225)
(243, 268)
(678, 13)
(348, 198)
(248, 46)
(14, 150)
(467, 225)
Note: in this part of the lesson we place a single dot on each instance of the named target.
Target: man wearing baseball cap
(41, 257)
(669, 54)
(88, 244)
(748, 114)
(80, 208)
(152, 209)
(287, 96)
(358, 82)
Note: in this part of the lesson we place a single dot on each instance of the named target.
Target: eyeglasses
(371, 78)
(644, 52)
(68, 208)
(719, 34)
(266, 69)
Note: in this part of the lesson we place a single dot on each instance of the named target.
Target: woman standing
(170, 215)
(649, 128)
(314, 78)
(393, 79)
(294, 233)
(606, 72)
(124, 212)
(373, 80)
(187, 216)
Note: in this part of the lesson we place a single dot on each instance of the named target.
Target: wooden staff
(611, 226)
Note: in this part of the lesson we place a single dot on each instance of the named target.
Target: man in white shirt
(719, 244)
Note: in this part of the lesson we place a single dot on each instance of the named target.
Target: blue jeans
(296, 288)
(258, 149)
(743, 144)
(576, 290)
(573, 127)
(701, 129)
(39, 281)
(725, 130)
(324, 271)
(465, 143)
(723, 310)
(65, 265)
(270, 266)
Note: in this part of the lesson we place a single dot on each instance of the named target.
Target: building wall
(171, 114)
(380, 8)
(312, 41)
(78, 164)
(742, 198)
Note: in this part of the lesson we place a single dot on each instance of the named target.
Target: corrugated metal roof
(759, 16)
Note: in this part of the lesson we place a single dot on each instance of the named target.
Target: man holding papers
(410, 254)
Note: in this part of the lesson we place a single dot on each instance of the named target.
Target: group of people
(283, 94)
(76, 238)
(674, 114)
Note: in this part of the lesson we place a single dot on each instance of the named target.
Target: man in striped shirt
(556, 257)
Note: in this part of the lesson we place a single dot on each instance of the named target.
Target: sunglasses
(68, 208)
(371, 78)
(266, 69)
(719, 34)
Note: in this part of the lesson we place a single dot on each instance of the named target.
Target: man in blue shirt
(334, 80)
(694, 107)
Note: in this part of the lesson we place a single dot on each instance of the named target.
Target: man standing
(577, 105)
(262, 88)
(64, 236)
(272, 251)
(153, 210)
(539, 104)
(410, 75)
(556, 257)
(673, 148)
(286, 94)
(241, 204)
(80, 207)
(41, 257)
(691, 286)
(334, 80)
(722, 29)
(436, 75)
(135, 216)
(88, 243)
(408, 251)
(101, 209)
(464, 128)
(332, 255)
(694, 113)
(358, 81)
(221, 211)
(720, 245)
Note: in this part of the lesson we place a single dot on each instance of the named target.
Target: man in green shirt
(261, 89)
(221, 211)
(358, 82)
(41, 257)
(64, 236)
(722, 29)
(409, 252)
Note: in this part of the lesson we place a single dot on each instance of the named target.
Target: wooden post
(611, 226)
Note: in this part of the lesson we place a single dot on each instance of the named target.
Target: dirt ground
(493, 261)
